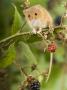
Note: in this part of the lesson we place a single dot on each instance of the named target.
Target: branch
(28, 37)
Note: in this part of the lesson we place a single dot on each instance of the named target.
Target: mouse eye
(29, 15)
(35, 14)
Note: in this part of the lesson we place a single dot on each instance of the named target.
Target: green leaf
(9, 57)
(28, 54)
(25, 37)
(17, 22)
(25, 56)
(6, 18)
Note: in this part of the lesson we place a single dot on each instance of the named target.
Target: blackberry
(34, 85)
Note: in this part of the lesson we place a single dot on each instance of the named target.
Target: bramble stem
(20, 68)
(16, 36)
(50, 66)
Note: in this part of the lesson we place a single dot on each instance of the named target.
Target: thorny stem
(20, 68)
(50, 66)
(8, 39)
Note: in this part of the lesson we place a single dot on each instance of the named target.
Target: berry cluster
(34, 85)
(52, 47)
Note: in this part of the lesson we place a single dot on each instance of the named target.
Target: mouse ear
(25, 11)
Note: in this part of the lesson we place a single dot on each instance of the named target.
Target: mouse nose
(35, 22)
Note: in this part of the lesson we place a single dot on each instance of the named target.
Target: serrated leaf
(25, 37)
(26, 51)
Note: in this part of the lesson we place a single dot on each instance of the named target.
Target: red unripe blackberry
(34, 85)
(52, 47)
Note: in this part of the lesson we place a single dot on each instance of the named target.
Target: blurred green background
(28, 53)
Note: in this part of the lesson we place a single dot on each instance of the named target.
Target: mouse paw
(34, 31)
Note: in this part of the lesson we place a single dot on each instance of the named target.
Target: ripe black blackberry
(34, 85)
